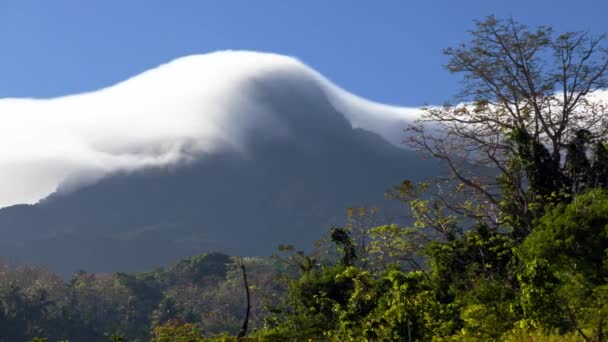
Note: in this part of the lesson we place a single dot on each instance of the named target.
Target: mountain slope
(281, 179)
(174, 113)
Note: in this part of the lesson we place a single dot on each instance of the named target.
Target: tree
(565, 264)
(600, 166)
(174, 331)
(528, 95)
(243, 332)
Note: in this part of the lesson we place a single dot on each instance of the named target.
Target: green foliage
(199, 267)
(599, 170)
(36, 303)
(173, 331)
(573, 236)
(578, 166)
(539, 297)
(345, 245)
(475, 286)
(458, 264)
(542, 170)
(565, 260)
(392, 245)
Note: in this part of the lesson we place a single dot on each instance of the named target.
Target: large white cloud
(175, 112)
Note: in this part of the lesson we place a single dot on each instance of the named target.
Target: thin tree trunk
(245, 325)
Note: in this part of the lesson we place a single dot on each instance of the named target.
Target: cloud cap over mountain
(175, 113)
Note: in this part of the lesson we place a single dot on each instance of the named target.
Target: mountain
(234, 152)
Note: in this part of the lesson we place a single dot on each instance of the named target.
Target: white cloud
(175, 112)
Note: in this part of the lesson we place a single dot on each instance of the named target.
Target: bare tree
(243, 332)
(526, 95)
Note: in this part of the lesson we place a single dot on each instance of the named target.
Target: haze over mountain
(230, 151)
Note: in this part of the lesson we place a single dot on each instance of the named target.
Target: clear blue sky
(388, 51)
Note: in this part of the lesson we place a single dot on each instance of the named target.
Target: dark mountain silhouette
(278, 190)
(279, 193)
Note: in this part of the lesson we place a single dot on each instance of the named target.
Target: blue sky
(388, 51)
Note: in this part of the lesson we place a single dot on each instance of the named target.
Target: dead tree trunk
(245, 325)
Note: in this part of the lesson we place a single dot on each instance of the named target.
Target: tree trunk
(245, 325)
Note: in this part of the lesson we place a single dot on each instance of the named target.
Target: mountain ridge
(179, 111)
(285, 179)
